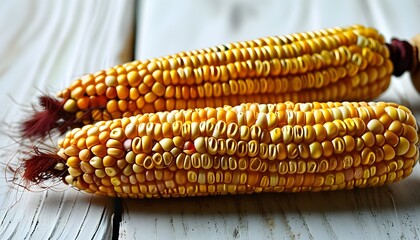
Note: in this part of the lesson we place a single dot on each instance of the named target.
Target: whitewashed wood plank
(377, 213)
(44, 46)
(380, 213)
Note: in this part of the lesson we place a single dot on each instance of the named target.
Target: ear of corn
(335, 64)
(249, 148)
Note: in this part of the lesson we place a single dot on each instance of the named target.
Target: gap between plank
(116, 220)
(118, 207)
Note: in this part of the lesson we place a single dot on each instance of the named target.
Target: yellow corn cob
(330, 65)
(337, 64)
(244, 149)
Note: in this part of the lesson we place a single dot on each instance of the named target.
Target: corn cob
(248, 148)
(337, 64)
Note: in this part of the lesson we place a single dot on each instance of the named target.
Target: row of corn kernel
(123, 108)
(322, 39)
(285, 113)
(190, 183)
(181, 177)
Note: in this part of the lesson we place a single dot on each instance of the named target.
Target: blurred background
(168, 27)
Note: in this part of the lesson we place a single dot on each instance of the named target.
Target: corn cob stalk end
(415, 74)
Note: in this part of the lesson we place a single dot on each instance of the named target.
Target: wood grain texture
(376, 213)
(390, 212)
(45, 45)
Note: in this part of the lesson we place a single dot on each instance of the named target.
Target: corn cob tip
(50, 117)
(43, 165)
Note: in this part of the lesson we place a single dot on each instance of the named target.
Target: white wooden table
(44, 45)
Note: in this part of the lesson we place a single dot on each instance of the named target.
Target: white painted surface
(44, 45)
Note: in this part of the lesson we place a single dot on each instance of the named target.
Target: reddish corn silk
(42, 165)
(51, 116)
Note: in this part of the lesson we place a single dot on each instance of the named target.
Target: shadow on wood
(293, 215)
